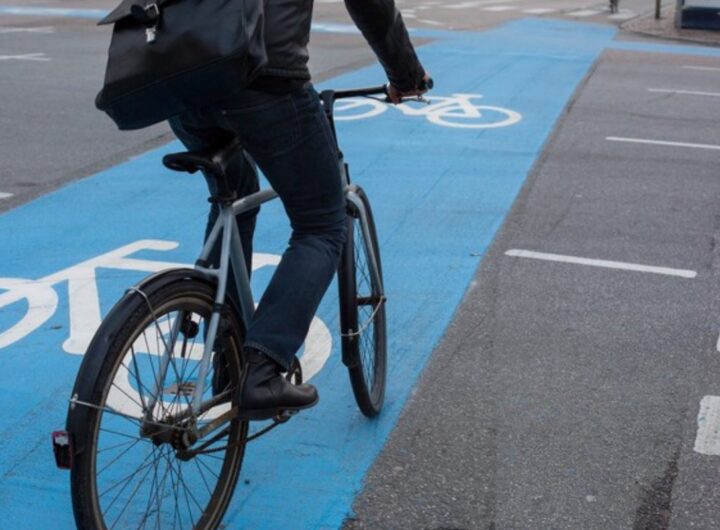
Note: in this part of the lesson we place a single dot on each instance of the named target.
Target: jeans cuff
(269, 353)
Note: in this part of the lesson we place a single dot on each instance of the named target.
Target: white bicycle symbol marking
(84, 301)
(458, 111)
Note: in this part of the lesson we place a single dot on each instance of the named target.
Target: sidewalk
(665, 28)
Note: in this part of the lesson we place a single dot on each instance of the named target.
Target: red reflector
(62, 449)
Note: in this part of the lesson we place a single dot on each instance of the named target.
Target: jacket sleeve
(383, 27)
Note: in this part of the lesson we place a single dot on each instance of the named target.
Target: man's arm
(384, 29)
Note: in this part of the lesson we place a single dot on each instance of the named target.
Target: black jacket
(287, 33)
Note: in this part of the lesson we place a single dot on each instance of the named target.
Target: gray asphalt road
(51, 134)
(566, 396)
(50, 131)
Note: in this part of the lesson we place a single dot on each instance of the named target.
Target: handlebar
(381, 90)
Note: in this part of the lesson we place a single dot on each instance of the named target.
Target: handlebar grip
(427, 84)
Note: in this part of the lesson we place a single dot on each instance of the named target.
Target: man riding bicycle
(280, 123)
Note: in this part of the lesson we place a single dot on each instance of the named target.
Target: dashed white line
(538, 11)
(25, 57)
(4, 195)
(622, 15)
(707, 68)
(499, 8)
(661, 142)
(42, 29)
(584, 13)
(707, 440)
(465, 5)
(684, 92)
(430, 22)
(636, 267)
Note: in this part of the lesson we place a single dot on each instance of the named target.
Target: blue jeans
(289, 138)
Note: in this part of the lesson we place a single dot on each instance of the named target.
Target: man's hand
(396, 96)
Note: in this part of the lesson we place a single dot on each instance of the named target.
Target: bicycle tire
(362, 313)
(97, 383)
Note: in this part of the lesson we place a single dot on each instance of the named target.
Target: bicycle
(152, 434)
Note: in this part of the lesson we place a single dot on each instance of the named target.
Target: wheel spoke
(139, 479)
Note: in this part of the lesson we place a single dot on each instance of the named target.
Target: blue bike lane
(439, 195)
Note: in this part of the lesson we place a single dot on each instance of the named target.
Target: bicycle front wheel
(362, 309)
(136, 462)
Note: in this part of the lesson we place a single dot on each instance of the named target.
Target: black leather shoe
(265, 393)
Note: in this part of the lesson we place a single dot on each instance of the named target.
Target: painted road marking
(624, 14)
(538, 11)
(466, 5)
(430, 22)
(25, 57)
(584, 13)
(661, 142)
(41, 29)
(499, 8)
(4, 195)
(706, 68)
(684, 92)
(460, 111)
(473, 174)
(636, 267)
(707, 440)
(93, 14)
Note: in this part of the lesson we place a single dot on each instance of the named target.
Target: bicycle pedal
(62, 449)
(284, 416)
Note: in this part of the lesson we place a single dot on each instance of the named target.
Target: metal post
(657, 9)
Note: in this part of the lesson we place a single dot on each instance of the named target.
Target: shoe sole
(268, 414)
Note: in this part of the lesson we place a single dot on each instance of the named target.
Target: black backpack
(171, 55)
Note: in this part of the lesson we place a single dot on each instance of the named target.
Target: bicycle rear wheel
(362, 311)
(136, 465)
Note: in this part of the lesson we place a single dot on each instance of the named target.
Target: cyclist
(280, 123)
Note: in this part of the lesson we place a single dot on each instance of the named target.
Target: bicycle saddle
(213, 160)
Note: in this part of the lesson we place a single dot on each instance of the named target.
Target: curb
(647, 25)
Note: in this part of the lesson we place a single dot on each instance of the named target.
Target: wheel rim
(139, 480)
(368, 310)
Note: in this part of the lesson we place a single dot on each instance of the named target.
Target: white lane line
(465, 5)
(684, 92)
(682, 273)
(4, 195)
(538, 11)
(42, 29)
(707, 440)
(706, 68)
(25, 57)
(430, 22)
(498, 9)
(52, 11)
(584, 13)
(661, 142)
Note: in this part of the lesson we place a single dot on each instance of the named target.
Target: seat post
(224, 194)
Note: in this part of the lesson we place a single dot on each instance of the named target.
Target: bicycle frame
(232, 256)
